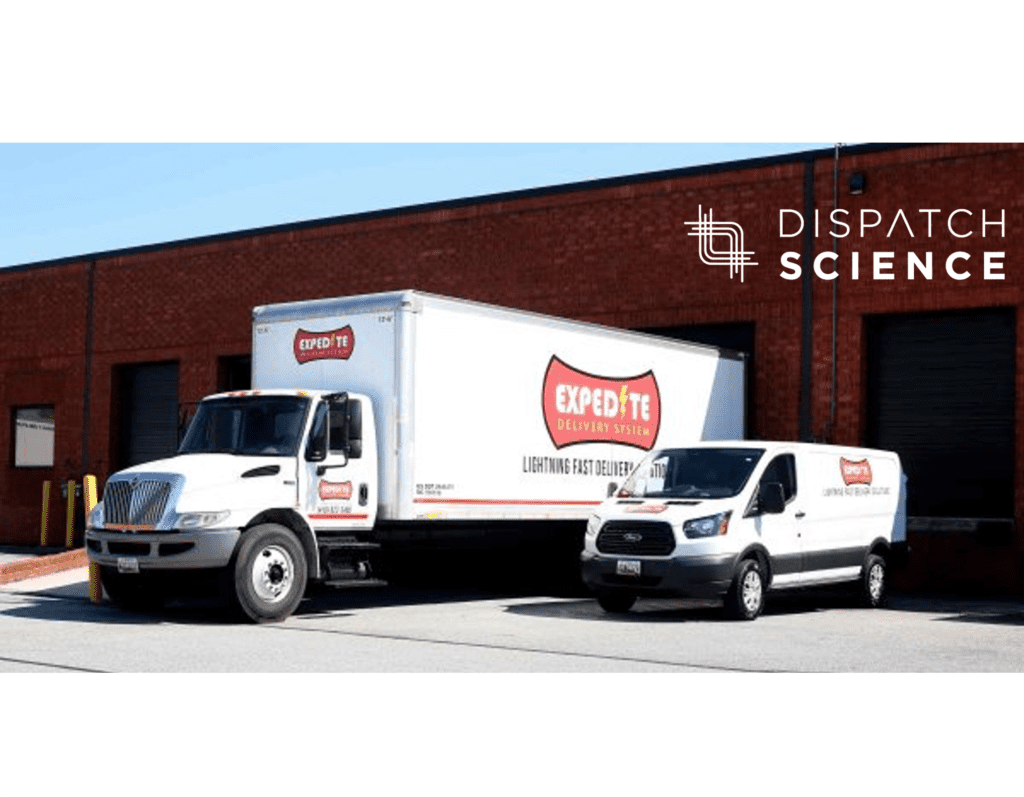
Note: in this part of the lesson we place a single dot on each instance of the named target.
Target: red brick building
(109, 350)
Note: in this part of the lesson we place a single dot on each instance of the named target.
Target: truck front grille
(139, 502)
(632, 538)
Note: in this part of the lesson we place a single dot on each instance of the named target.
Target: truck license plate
(127, 564)
(627, 567)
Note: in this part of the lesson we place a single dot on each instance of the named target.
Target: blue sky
(63, 200)
(554, 71)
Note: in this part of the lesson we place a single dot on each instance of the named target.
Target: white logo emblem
(734, 255)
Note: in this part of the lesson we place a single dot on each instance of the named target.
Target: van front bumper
(687, 577)
(208, 548)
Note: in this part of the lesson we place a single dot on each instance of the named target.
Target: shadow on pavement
(647, 610)
(1011, 618)
(32, 606)
(342, 599)
(66, 604)
(676, 610)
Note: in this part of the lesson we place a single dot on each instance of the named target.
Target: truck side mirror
(316, 447)
(355, 428)
(770, 499)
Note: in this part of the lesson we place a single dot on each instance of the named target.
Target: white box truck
(379, 423)
(733, 519)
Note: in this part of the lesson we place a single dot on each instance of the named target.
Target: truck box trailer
(381, 423)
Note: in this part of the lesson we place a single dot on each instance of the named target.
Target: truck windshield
(692, 473)
(249, 425)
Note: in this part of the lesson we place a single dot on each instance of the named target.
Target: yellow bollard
(89, 494)
(46, 514)
(71, 514)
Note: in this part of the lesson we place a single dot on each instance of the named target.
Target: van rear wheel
(873, 582)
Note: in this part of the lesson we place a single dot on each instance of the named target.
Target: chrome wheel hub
(751, 591)
(273, 573)
(876, 581)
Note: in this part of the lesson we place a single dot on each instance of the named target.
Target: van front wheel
(745, 598)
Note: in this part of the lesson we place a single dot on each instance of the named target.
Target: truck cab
(271, 489)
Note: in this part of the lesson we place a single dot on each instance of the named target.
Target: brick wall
(617, 253)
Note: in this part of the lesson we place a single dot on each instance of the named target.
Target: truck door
(781, 533)
(339, 490)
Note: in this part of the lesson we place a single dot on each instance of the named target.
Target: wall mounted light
(857, 183)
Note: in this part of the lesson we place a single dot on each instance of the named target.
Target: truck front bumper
(208, 548)
(689, 577)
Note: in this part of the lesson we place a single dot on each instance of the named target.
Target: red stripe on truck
(500, 502)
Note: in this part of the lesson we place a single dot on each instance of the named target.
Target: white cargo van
(736, 519)
(388, 426)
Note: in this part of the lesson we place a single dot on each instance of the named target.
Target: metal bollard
(46, 514)
(72, 491)
(89, 496)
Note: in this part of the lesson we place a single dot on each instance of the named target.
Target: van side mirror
(612, 487)
(770, 499)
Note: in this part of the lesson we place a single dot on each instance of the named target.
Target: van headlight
(710, 526)
(200, 520)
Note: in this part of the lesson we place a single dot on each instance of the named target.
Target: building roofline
(463, 202)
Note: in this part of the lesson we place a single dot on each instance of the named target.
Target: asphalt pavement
(73, 583)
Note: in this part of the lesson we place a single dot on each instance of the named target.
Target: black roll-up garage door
(149, 412)
(941, 394)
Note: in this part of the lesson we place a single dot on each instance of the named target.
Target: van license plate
(127, 564)
(627, 567)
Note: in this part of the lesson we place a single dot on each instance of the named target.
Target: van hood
(672, 510)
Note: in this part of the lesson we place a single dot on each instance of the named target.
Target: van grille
(139, 502)
(636, 538)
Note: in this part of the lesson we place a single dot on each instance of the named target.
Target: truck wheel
(745, 598)
(616, 602)
(269, 573)
(873, 582)
(135, 591)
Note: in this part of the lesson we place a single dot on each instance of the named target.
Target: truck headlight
(95, 520)
(710, 526)
(593, 525)
(200, 520)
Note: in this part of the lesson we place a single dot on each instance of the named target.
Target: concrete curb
(37, 566)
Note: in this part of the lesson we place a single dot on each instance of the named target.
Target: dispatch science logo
(927, 244)
(720, 243)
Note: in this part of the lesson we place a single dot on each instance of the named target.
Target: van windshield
(692, 473)
(247, 425)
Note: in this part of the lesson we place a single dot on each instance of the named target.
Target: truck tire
(745, 598)
(616, 602)
(135, 591)
(873, 582)
(269, 573)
